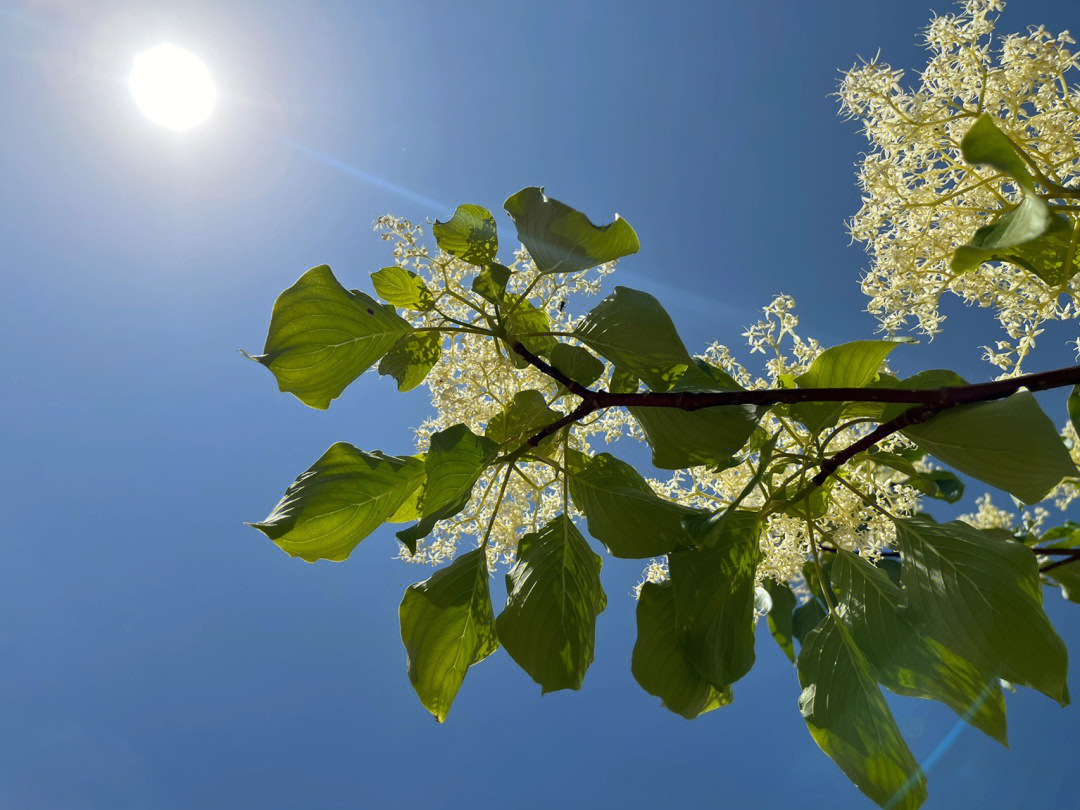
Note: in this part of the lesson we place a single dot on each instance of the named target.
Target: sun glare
(172, 87)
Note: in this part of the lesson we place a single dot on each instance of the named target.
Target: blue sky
(155, 652)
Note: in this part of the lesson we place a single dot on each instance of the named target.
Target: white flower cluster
(920, 200)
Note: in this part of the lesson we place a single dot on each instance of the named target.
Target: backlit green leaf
(470, 235)
(659, 663)
(980, 597)
(411, 358)
(521, 419)
(339, 501)
(402, 288)
(447, 625)
(849, 365)
(623, 382)
(622, 510)
(553, 599)
(1029, 237)
(562, 240)
(848, 717)
(902, 657)
(322, 337)
(633, 331)
(453, 462)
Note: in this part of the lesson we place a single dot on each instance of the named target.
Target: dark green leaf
(902, 657)
(322, 337)
(521, 419)
(659, 663)
(849, 365)
(633, 331)
(1073, 406)
(681, 439)
(622, 510)
(562, 240)
(470, 235)
(339, 501)
(576, 363)
(848, 717)
(553, 599)
(453, 462)
(411, 358)
(980, 597)
(781, 616)
(447, 625)
(714, 600)
(402, 288)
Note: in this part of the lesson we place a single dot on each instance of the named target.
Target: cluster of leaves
(947, 614)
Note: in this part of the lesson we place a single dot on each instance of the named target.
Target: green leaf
(447, 625)
(470, 235)
(1066, 535)
(526, 415)
(1028, 236)
(402, 288)
(633, 331)
(340, 500)
(980, 597)
(1009, 443)
(490, 283)
(1073, 407)
(526, 319)
(681, 439)
(576, 363)
(322, 337)
(453, 463)
(849, 719)
(622, 510)
(940, 484)
(781, 616)
(553, 599)
(806, 617)
(985, 143)
(1067, 578)
(659, 663)
(902, 657)
(714, 600)
(411, 358)
(562, 240)
(849, 365)
(623, 382)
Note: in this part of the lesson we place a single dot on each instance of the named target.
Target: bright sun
(172, 87)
